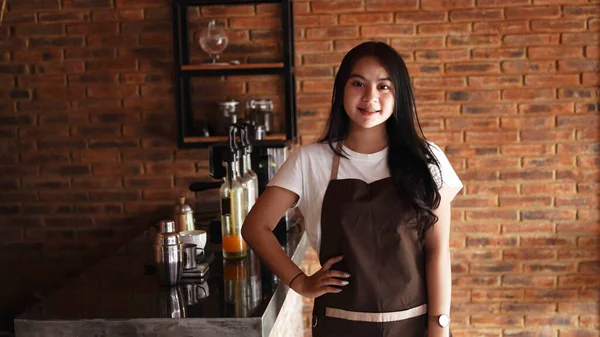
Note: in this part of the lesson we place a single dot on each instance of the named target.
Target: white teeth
(368, 111)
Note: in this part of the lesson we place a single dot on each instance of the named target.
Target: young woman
(376, 197)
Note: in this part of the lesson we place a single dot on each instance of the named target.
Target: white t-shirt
(308, 170)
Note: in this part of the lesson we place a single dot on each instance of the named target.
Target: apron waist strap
(376, 316)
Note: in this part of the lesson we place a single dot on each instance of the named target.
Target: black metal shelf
(184, 71)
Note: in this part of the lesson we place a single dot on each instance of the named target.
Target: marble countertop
(121, 296)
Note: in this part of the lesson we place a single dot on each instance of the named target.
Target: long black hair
(409, 155)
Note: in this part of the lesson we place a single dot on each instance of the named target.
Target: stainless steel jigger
(168, 253)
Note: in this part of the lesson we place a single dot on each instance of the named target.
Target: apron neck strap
(336, 163)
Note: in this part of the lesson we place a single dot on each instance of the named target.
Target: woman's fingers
(325, 290)
(336, 273)
(329, 263)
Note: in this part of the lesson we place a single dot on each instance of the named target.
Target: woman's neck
(367, 141)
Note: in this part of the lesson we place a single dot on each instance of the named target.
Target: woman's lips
(368, 112)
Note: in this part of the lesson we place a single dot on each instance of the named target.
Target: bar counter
(120, 296)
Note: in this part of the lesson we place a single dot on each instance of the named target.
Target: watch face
(443, 320)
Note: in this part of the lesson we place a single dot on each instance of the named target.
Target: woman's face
(368, 94)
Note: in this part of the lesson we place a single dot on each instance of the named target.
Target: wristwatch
(442, 320)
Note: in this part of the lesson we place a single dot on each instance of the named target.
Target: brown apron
(387, 293)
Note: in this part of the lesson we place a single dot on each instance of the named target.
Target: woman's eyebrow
(364, 79)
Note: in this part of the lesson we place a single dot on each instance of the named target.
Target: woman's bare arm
(439, 276)
(258, 231)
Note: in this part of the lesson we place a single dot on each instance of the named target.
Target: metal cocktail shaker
(168, 253)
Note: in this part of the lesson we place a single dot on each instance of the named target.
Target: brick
(532, 11)
(490, 137)
(526, 123)
(581, 11)
(555, 108)
(474, 40)
(337, 6)
(589, 267)
(550, 320)
(497, 53)
(477, 163)
(63, 17)
(147, 182)
(111, 65)
(33, 5)
(63, 196)
(66, 41)
(331, 33)
(530, 227)
(31, 55)
(64, 67)
(420, 17)
(523, 67)
(505, 26)
(390, 5)
(386, 30)
(39, 30)
(116, 195)
(444, 28)
(475, 228)
(99, 91)
(580, 38)
(469, 68)
(105, 41)
(526, 175)
(578, 65)
(578, 93)
(490, 188)
(472, 124)
(496, 295)
(531, 39)
(476, 15)
(492, 215)
(549, 295)
(428, 4)
(489, 82)
(528, 307)
(473, 96)
(88, 156)
(552, 80)
(555, 53)
(314, 21)
(366, 19)
(547, 241)
(417, 42)
(528, 94)
(560, 25)
(489, 109)
(80, 4)
(548, 162)
(525, 201)
(16, 17)
(441, 82)
(255, 23)
(466, 281)
(577, 227)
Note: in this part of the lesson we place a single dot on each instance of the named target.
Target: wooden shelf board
(231, 66)
(214, 139)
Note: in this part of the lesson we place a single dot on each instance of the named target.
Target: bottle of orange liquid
(232, 205)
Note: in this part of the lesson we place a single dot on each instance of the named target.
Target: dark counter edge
(205, 327)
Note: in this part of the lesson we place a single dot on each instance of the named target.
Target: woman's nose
(370, 94)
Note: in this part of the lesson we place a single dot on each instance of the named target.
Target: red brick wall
(508, 88)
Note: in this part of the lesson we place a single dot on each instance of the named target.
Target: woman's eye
(357, 84)
(384, 87)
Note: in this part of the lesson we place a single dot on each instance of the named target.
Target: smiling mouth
(366, 111)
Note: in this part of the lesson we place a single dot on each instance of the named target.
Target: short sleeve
(444, 176)
(290, 175)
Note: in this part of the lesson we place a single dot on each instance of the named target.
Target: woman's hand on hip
(322, 282)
